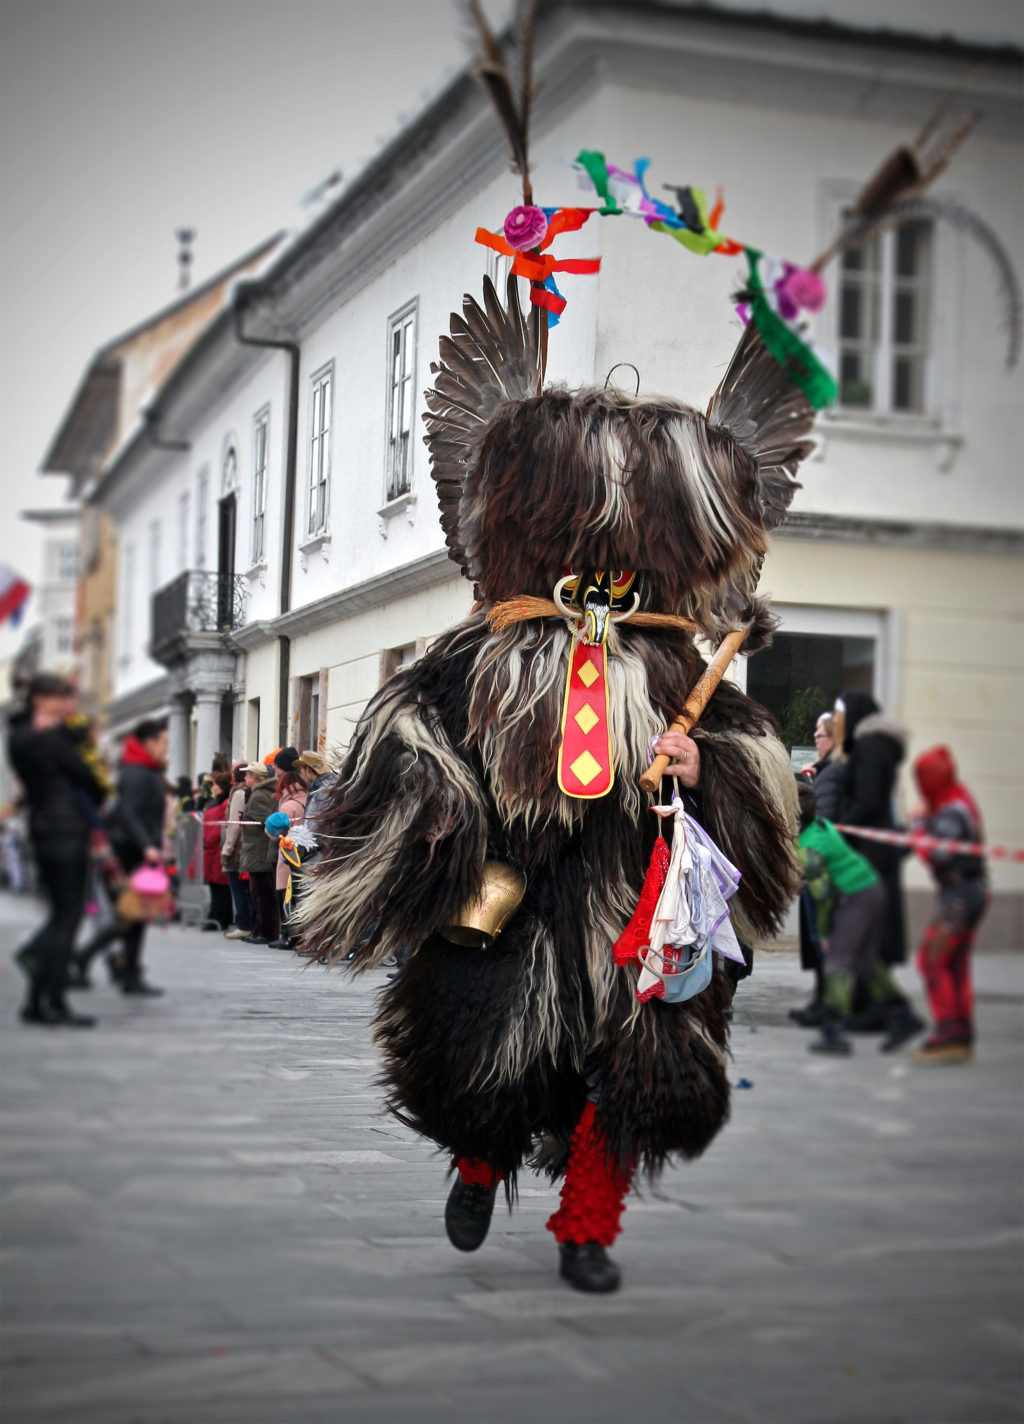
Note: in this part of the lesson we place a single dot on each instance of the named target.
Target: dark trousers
(130, 936)
(242, 902)
(220, 905)
(64, 879)
(265, 922)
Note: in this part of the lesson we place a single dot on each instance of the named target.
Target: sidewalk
(207, 1218)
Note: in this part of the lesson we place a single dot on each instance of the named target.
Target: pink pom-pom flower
(525, 227)
(799, 290)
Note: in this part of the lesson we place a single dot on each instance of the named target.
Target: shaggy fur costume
(493, 1053)
(485, 1051)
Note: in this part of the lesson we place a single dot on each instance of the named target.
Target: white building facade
(287, 485)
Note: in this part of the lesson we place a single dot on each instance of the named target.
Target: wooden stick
(695, 704)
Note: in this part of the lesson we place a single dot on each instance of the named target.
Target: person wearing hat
(259, 854)
(290, 795)
(231, 854)
(61, 790)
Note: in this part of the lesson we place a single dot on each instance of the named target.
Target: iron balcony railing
(195, 602)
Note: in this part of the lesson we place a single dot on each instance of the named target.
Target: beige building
(300, 408)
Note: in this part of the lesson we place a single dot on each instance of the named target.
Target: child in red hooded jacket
(949, 812)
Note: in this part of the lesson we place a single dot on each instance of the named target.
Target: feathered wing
(771, 418)
(491, 357)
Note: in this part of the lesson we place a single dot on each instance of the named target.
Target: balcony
(198, 609)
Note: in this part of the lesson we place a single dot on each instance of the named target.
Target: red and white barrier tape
(917, 839)
(920, 841)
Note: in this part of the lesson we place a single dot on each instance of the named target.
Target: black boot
(140, 987)
(467, 1214)
(65, 1017)
(832, 1041)
(588, 1267)
(902, 1023)
(812, 1015)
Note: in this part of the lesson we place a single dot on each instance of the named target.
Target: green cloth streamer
(781, 341)
(700, 242)
(597, 171)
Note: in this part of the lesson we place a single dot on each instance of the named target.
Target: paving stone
(208, 1217)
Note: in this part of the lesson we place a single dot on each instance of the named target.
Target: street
(208, 1218)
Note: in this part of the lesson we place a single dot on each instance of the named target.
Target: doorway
(226, 522)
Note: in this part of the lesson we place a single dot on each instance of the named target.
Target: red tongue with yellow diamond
(585, 769)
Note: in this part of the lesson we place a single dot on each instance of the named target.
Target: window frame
(397, 485)
(318, 446)
(258, 523)
(202, 498)
(940, 376)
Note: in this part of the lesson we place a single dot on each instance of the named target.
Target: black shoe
(467, 1214)
(903, 1024)
(588, 1267)
(141, 988)
(38, 1014)
(64, 1017)
(874, 1019)
(116, 968)
(254, 939)
(833, 1043)
(281, 943)
(811, 1016)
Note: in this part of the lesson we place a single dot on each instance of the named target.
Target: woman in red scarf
(949, 812)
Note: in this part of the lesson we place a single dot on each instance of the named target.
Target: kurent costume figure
(487, 826)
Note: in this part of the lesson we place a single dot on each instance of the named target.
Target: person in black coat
(875, 744)
(137, 834)
(63, 792)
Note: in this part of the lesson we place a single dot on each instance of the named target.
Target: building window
(184, 528)
(201, 496)
(310, 692)
(127, 602)
(320, 451)
(498, 268)
(401, 368)
(154, 555)
(229, 470)
(391, 659)
(260, 438)
(63, 636)
(884, 302)
(67, 562)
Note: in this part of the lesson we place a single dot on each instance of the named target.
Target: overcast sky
(122, 120)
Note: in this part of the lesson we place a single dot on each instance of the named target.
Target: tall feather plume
(908, 170)
(492, 356)
(511, 96)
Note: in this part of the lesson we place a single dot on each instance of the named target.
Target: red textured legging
(593, 1193)
(944, 963)
(594, 1190)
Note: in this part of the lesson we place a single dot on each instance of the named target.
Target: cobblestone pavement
(207, 1218)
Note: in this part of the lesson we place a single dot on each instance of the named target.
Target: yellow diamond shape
(585, 768)
(588, 674)
(586, 718)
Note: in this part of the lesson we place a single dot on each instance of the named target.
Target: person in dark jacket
(63, 792)
(948, 812)
(137, 833)
(259, 854)
(874, 745)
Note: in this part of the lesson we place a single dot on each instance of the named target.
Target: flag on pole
(14, 593)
